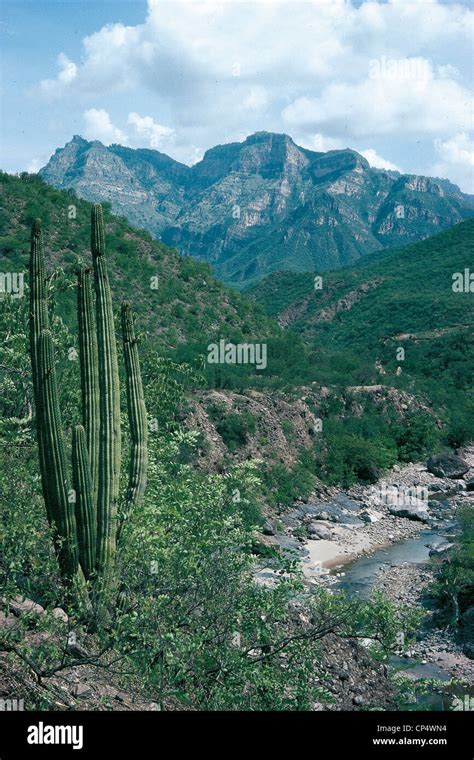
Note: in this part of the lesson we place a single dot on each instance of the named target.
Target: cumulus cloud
(377, 161)
(221, 70)
(156, 135)
(66, 75)
(321, 143)
(98, 126)
(456, 160)
(408, 106)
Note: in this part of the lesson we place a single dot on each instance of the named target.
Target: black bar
(164, 734)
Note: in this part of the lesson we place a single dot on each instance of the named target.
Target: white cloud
(35, 165)
(457, 160)
(156, 135)
(390, 69)
(98, 126)
(372, 108)
(67, 74)
(256, 99)
(321, 143)
(377, 161)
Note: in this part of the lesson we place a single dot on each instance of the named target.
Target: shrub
(416, 436)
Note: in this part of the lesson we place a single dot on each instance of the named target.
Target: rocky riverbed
(332, 533)
(336, 527)
(407, 585)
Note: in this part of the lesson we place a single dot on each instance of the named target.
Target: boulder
(446, 487)
(24, 606)
(6, 621)
(268, 529)
(370, 516)
(470, 484)
(438, 503)
(447, 465)
(412, 511)
(59, 614)
(82, 690)
(437, 549)
(316, 530)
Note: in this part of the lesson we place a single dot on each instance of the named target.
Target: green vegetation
(190, 628)
(179, 305)
(234, 428)
(454, 586)
(340, 351)
(395, 321)
(84, 519)
(187, 625)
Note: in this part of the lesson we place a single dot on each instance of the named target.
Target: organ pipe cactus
(136, 414)
(89, 373)
(57, 492)
(109, 402)
(86, 513)
(38, 321)
(84, 517)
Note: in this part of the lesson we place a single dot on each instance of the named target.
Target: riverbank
(407, 585)
(337, 527)
(332, 534)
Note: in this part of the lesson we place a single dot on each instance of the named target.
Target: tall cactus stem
(61, 509)
(38, 319)
(86, 516)
(110, 433)
(89, 365)
(137, 416)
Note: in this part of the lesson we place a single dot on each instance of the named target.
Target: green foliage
(416, 436)
(454, 584)
(348, 457)
(183, 299)
(202, 625)
(234, 428)
(284, 484)
(84, 520)
(402, 299)
(391, 626)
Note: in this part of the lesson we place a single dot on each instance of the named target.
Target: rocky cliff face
(262, 205)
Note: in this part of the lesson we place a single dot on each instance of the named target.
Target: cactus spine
(136, 413)
(85, 520)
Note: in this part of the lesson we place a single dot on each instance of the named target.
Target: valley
(342, 401)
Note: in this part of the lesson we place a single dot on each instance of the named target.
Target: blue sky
(391, 79)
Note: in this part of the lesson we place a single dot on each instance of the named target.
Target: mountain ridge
(264, 204)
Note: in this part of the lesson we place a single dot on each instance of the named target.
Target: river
(357, 579)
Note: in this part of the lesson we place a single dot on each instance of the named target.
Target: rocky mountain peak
(262, 204)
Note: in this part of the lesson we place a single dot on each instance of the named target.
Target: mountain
(362, 316)
(261, 205)
(178, 302)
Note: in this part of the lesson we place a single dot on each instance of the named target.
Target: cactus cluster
(86, 518)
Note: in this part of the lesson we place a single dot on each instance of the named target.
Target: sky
(391, 79)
